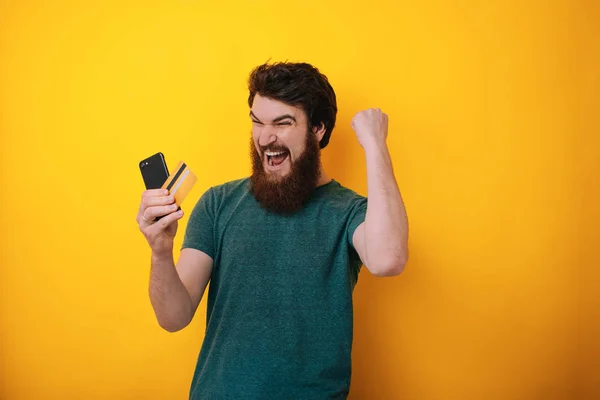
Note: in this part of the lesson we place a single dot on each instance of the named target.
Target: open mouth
(275, 159)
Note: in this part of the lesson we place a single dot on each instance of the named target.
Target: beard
(286, 194)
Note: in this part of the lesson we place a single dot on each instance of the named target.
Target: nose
(267, 136)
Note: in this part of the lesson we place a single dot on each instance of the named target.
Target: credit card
(180, 182)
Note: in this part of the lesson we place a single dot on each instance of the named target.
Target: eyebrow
(278, 119)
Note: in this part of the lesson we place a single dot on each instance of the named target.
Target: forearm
(386, 223)
(169, 297)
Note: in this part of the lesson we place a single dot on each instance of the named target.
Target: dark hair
(297, 84)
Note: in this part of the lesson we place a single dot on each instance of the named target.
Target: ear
(319, 131)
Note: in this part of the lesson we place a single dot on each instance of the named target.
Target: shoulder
(338, 195)
(217, 198)
(231, 188)
(214, 196)
(227, 195)
(338, 201)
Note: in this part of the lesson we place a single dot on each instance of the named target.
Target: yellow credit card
(180, 182)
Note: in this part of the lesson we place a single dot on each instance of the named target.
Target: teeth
(271, 154)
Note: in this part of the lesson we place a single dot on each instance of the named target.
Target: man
(282, 248)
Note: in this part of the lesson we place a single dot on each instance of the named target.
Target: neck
(324, 178)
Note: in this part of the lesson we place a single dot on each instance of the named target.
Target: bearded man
(282, 249)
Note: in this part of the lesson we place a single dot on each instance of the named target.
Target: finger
(151, 213)
(155, 192)
(151, 194)
(163, 223)
(143, 222)
(157, 201)
(154, 197)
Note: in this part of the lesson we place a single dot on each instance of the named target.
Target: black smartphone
(154, 171)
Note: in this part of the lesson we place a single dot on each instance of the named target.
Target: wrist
(375, 148)
(162, 255)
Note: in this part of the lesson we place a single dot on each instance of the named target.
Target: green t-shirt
(279, 315)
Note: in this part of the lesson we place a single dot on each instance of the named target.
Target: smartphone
(154, 171)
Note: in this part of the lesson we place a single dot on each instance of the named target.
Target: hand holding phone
(157, 219)
(158, 212)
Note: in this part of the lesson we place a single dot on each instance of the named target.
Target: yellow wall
(495, 146)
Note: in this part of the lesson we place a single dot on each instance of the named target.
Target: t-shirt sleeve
(358, 212)
(199, 233)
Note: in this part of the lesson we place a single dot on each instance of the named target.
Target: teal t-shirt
(279, 316)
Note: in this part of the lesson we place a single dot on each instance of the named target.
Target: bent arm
(382, 240)
(175, 292)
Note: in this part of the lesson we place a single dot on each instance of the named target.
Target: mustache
(273, 147)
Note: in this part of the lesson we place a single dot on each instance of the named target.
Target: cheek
(256, 146)
(254, 142)
(255, 132)
(298, 146)
(293, 138)
(255, 135)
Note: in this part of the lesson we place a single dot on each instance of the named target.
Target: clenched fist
(371, 127)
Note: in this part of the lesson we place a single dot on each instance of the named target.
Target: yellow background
(494, 138)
